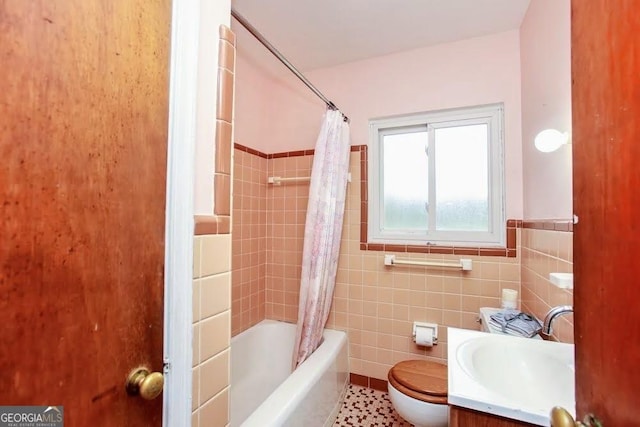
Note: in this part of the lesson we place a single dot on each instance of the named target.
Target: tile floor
(365, 407)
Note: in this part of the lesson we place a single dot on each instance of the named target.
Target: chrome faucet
(552, 314)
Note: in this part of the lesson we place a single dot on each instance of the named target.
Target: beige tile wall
(212, 265)
(375, 304)
(544, 252)
(249, 242)
(211, 329)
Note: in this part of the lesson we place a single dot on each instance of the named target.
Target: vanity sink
(510, 376)
(540, 372)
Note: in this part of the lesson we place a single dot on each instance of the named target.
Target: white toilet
(418, 392)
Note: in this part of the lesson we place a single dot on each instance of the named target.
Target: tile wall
(212, 264)
(547, 251)
(286, 215)
(249, 241)
(373, 303)
(377, 304)
(211, 329)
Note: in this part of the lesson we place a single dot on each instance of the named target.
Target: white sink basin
(513, 377)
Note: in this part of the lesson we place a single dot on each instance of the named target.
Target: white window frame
(493, 116)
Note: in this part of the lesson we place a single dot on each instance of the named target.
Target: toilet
(418, 388)
(418, 392)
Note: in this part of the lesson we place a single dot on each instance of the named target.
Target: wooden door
(606, 155)
(83, 142)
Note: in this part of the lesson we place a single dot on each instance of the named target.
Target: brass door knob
(560, 417)
(145, 384)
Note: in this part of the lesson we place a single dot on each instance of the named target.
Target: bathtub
(264, 391)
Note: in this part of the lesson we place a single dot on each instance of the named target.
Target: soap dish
(562, 280)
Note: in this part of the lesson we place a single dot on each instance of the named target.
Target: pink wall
(470, 72)
(274, 111)
(545, 54)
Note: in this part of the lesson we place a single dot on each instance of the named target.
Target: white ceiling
(322, 33)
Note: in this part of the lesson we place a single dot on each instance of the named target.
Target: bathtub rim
(279, 405)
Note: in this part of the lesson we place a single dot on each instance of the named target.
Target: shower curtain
(323, 229)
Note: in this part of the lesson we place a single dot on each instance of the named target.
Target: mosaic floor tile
(365, 407)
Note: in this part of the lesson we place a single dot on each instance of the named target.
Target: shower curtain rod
(255, 33)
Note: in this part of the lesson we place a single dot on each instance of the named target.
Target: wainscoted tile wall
(212, 265)
(211, 329)
(286, 215)
(249, 242)
(375, 304)
(544, 251)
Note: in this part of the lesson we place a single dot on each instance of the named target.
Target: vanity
(500, 380)
(463, 417)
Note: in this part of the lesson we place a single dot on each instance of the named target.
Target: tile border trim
(211, 224)
(369, 382)
(565, 225)
(219, 222)
(296, 153)
(250, 150)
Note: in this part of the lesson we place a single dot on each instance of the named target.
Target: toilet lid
(422, 376)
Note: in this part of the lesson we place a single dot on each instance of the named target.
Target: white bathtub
(264, 391)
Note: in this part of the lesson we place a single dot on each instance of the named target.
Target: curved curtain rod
(255, 33)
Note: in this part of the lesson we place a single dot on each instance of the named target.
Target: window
(437, 178)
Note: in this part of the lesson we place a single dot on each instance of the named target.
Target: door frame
(179, 211)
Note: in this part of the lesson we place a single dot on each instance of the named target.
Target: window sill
(446, 250)
(508, 251)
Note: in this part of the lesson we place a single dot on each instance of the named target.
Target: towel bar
(464, 264)
(277, 180)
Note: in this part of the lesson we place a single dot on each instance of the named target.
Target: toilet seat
(421, 379)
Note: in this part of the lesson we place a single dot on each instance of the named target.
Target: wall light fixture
(550, 140)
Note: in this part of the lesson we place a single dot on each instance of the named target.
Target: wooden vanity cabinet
(463, 417)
